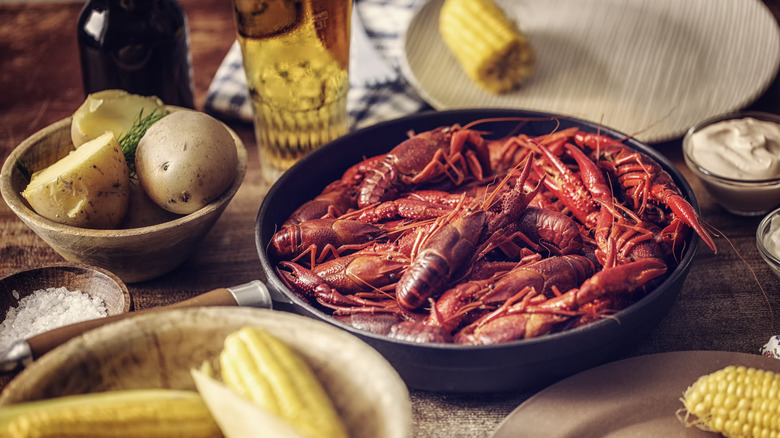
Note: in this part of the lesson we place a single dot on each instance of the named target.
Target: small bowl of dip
(768, 240)
(737, 158)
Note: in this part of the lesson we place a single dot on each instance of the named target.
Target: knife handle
(45, 342)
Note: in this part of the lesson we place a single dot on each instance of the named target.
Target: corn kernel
(276, 378)
(736, 401)
(488, 46)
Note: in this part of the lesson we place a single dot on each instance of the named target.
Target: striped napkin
(368, 101)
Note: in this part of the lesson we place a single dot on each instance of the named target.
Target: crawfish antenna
(760, 287)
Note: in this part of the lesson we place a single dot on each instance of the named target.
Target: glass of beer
(296, 59)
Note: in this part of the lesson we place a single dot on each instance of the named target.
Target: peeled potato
(186, 160)
(88, 188)
(109, 110)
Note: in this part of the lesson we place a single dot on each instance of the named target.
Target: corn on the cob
(127, 413)
(488, 45)
(735, 401)
(267, 371)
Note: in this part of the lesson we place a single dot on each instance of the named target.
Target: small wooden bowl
(135, 254)
(157, 350)
(93, 281)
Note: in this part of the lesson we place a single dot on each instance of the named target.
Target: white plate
(636, 397)
(649, 68)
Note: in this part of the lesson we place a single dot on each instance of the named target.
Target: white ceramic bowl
(738, 196)
(158, 349)
(768, 240)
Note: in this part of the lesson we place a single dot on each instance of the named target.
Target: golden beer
(296, 58)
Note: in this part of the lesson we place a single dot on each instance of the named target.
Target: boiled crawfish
(643, 180)
(455, 237)
(525, 316)
(452, 153)
(454, 244)
(320, 238)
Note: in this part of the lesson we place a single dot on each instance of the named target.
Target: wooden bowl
(93, 281)
(157, 350)
(135, 254)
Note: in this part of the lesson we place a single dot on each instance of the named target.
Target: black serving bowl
(517, 365)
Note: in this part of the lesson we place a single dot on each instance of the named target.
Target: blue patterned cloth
(384, 21)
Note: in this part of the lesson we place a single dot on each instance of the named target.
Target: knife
(23, 352)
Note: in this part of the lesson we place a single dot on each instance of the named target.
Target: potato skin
(142, 212)
(89, 188)
(186, 160)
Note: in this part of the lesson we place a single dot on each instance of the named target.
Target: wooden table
(721, 306)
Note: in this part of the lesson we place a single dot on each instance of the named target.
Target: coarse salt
(47, 309)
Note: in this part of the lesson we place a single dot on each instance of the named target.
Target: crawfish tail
(453, 305)
(334, 201)
(400, 167)
(544, 276)
(364, 270)
(508, 328)
(304, 282)
(553, 230)
(373, 323)
(684, 212)
(418, 332)
(379, 185)
(428, 274)
(620, 279)
(353, 176)
(443, 253)
(321, 234)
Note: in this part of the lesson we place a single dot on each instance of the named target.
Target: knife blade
(23, 352)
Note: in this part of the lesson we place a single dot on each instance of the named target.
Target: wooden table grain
(721, 306)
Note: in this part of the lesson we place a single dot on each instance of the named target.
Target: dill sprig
(129, 140)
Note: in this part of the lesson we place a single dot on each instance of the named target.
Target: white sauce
(772, 238)
(745, 148)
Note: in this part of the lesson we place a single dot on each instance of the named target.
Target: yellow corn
(488, 45)
(265, 370)
(127, 413)
(735, 401)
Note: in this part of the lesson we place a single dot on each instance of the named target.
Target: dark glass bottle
(140, 46)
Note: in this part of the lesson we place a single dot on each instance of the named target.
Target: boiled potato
(186, 160)
(142, 212)
(109, 110)
(88, 188)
